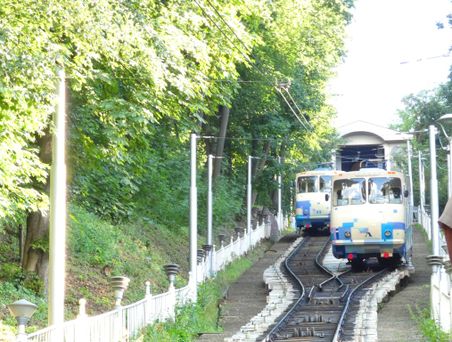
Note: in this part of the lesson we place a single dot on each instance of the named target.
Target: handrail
(127, 321)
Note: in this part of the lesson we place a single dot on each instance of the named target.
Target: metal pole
(193, 216)
(209, 214)
(248, 206)
(449, 168)
(410, 175)
(433, 191)
(421, 183)
(209, 200)
(57, 228)
(280, 215)
(421, 218)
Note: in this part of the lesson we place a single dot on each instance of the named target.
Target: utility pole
(248, 198)
(209, 199)
(410, 176)
(434, 191)
(57, 228)
(193, 218)
(280, 214)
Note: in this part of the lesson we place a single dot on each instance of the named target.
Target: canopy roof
(364, 128)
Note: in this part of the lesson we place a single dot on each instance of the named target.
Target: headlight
(347, 234)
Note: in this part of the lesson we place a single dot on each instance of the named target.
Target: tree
(422, 110)
(142, 75)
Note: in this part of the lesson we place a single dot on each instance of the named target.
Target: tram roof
(319, 172)
(367, 172)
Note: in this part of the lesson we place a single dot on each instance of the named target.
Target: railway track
(328, 303)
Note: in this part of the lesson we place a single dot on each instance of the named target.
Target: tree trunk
(224, 118)
(36, 253)
(274, 194)
(258, 167)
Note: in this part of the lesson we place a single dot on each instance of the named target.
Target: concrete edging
(281, 295)
(366, 322)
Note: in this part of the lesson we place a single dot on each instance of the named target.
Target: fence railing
(441, 279)
(424, 220)
(126, 322)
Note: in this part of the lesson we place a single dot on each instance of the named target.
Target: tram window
(385, 190)
(325, 183)
(349, 191)
(306, 184)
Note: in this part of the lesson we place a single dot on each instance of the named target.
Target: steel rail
(278, 325)
(349, 297)
(319, 264)
(298, 282)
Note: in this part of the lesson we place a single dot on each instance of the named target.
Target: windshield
(349, 191)
(379, 190)
(306, 184)
(325, 183)
(385, 190)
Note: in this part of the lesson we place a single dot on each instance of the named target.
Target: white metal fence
(441, 281)
(126, 322)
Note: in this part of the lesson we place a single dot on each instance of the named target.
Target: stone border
(366, 322)
(281, 295)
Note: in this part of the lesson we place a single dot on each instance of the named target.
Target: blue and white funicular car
(313, 200)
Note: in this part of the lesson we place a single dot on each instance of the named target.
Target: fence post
(448, 269)
(119, 284)
(171, 271)
(208, 250)
(200, 265)
(435, 261)
(82, 332)
(214, 260)
(148, 307)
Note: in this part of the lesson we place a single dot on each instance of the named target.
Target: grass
(430, 330)
(428, 327)
(424, 234)
(97, 250)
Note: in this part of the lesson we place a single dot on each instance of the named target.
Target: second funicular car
(313, 200)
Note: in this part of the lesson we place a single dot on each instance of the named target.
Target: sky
(394, 49)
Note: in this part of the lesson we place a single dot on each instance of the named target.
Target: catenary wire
(265, 75)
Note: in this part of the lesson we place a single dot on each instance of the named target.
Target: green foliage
(41, 244)
(10, 292)
(138, 250)
(227, 204)
(428, 327)
(422, 110)
(202, 317)
(142, 76)
(91, 240)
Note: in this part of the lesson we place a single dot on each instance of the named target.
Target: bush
(428, 326)
(92, 240)
(9, 293)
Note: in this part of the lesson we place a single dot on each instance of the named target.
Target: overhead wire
(290, 107)
(226, 23)
(298, 108)
(208, 17)
(307, 123)
(245, 55)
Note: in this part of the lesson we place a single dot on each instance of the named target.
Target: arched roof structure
(367, 143)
